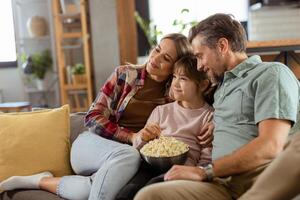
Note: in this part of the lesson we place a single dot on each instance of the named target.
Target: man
(256, 104)
(281, 180)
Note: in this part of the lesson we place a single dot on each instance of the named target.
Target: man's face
(208, 59)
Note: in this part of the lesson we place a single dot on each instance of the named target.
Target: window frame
(9, 64)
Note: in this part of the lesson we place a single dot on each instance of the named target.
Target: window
(8, 56)
(198, 10)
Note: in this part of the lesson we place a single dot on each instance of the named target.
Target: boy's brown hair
(188, 64)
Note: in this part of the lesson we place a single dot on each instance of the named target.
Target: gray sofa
(77, 127)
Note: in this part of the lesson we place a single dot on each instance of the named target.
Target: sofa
(77, 127)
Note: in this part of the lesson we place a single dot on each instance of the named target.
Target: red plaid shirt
(112, 100)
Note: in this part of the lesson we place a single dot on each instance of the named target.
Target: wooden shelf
(273, 43)
(67, 16)
(78, 96)
(72, 35)
(75, 86)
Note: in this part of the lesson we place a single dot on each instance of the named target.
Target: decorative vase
(37, 26)
(79, 78)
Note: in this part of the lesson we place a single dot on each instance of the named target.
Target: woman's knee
(129, 154)
(88, 152)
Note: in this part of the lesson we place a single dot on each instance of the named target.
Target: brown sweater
(142, 103)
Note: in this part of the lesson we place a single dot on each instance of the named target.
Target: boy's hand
(149, 132)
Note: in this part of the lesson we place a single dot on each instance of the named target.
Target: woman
(119, 113)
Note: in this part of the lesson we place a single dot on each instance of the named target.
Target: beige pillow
(33, 142)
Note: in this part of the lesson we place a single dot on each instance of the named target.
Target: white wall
(268, 23)
(105, 40)
(11, 84)
(163, 12)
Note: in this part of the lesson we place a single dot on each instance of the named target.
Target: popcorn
(164, 147)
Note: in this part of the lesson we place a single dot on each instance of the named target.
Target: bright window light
(7, 34)
(163, 12)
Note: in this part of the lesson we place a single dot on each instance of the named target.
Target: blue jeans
(102, 166)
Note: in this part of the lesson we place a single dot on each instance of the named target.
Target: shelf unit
(70, 28)
(26, 44)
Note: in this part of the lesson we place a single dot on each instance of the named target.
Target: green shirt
(251, 92)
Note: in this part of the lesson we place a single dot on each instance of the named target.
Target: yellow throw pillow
(33, 142)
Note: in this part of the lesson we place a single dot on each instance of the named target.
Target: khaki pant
(281, 180)
(219, 189)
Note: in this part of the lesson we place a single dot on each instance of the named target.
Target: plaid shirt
(112, 100)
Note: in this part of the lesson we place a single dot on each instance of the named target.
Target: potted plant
(37, 65)
(78, 74)
(148, 28)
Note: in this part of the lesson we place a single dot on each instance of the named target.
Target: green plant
(37, 64)
(183, 25)
(149, 29)
(78, 69)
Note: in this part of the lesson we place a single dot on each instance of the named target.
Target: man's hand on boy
(206, 136)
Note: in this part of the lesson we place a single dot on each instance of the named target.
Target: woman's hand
(206, 136)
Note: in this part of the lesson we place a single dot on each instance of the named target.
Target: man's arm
(269, 143)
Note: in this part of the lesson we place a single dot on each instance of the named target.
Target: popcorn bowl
(165, 163)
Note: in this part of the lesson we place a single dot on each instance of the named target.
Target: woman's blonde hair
(183, 47)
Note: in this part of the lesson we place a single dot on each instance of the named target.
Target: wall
(11, 84)
(105, 44)
(268, 23)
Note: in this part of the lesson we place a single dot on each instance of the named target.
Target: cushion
(33, 142)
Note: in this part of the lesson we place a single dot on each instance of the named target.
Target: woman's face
(161, 60)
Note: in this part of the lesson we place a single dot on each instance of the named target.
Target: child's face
(184, 89)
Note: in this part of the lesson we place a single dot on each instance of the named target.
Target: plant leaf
(185, 10)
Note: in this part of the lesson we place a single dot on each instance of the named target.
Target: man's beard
(214, 79)
(219, 79)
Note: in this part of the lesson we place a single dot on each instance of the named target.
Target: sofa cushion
(33, 142)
